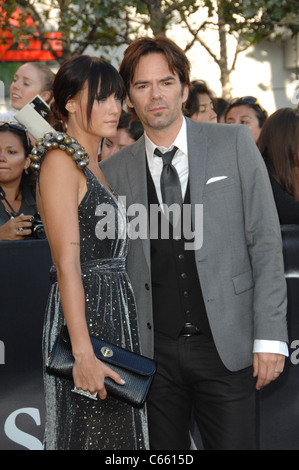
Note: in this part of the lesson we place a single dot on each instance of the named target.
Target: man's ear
(185, 93)
(129, 102)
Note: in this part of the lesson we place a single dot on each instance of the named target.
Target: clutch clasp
(106, 351)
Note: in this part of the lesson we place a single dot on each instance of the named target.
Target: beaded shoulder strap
(57, 140)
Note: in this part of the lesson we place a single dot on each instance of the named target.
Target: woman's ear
(46, 96)
(70, 106)
(27, 163)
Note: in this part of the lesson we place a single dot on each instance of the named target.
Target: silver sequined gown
(73, 421)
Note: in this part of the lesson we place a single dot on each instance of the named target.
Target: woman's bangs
(110, 82)
(103, 81)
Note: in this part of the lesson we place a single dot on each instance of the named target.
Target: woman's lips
(112, 123)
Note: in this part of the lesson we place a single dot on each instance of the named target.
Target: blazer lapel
(137, 173)
(197, 157)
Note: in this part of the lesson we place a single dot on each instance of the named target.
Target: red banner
(29, 48)
(36, 50)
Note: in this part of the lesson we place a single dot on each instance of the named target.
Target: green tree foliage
(256, 20)
(105, 24)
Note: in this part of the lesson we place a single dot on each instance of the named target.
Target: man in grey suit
(213, 317)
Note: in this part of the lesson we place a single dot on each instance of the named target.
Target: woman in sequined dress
(90, 289)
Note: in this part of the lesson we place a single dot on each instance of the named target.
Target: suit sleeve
(263, 236)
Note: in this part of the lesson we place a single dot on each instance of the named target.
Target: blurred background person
(248, 111)
(17, 182)
(199, 105)
(31, 79)
(279, 145)
(128, 131)
(220, 105)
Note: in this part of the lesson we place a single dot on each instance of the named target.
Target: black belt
(189, 330)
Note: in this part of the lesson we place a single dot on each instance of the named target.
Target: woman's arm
(62, 186)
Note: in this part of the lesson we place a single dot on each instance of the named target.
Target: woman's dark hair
(72, 76)
(198, 87)
(279, 145)
(252, 103)
(220, 107)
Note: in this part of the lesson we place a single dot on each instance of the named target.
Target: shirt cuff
(270, 346)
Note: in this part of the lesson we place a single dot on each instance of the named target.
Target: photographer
(17, 196)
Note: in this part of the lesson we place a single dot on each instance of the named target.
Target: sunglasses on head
(19, 127)
(247, 100)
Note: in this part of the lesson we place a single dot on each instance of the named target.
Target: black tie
(170, 182)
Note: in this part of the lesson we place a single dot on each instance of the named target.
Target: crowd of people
(202, 105)
(17, 181)
(214, 319)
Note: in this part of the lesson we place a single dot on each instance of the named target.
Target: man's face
(156, 93)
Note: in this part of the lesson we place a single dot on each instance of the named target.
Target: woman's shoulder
(58, 141)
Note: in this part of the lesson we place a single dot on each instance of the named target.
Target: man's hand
(267, 367)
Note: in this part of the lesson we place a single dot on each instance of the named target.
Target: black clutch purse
(137, 371)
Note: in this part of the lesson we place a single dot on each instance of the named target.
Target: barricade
(24, 288)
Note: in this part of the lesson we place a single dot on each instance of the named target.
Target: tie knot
(166, 156)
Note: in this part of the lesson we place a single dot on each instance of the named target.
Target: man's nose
(156, 92)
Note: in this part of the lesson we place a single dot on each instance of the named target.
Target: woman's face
(205, 111)
(12, 158)
(121, 140)
(104, 116)
(244, 115)
(27, 82)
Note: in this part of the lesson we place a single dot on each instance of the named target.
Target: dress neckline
(108, 189)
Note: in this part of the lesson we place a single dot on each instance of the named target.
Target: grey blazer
(240, 262)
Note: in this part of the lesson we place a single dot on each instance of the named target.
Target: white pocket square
(216, 178)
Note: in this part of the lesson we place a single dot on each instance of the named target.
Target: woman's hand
(89, 374)
(16, 228)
